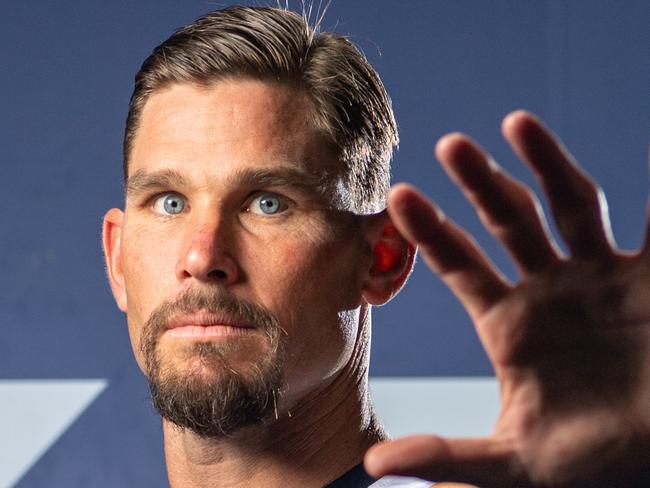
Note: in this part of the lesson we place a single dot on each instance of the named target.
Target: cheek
(307, 269)
(149, 269)
(315, 289)
(149, 259)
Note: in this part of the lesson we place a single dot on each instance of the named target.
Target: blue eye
(169, 204)
(267, 204)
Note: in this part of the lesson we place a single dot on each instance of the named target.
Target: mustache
(216, 300)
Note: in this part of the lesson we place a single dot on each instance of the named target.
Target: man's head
(349, 102)
(245, 276)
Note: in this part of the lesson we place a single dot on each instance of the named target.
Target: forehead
(230, 122)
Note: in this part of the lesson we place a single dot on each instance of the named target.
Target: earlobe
(112, 244)
(392, 261)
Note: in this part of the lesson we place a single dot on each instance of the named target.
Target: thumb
(485, 462)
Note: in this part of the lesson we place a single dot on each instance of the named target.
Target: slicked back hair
(350, 103)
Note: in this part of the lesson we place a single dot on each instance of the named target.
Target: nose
(206, 256)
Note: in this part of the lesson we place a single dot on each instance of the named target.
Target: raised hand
(570, 342)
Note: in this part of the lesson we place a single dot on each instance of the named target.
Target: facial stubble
(215, 397)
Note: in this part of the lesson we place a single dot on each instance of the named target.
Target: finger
(482, 462)
(509, 210)
(578, 203)
(645, 248)
(447, 249)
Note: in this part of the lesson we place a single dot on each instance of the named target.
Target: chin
(213, 391)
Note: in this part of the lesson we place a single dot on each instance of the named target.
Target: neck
(308, 445)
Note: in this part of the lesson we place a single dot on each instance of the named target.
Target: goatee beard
(214, 400)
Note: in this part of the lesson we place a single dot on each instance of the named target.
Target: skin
(308, 264)
(569, 342)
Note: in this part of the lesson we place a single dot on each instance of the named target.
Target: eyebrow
(142, 181)
(318, 182)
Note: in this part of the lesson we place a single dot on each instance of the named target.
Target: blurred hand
(569, 343)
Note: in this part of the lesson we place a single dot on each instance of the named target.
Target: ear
(392, 260)
(112, 243)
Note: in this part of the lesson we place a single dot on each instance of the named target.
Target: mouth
(207, 325)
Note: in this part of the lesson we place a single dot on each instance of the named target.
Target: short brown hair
(351, 103)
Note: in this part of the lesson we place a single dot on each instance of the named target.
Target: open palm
(569, 342)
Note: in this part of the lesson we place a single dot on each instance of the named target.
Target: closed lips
(206, 324)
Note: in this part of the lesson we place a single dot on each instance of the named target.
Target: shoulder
(400, 482)
(404, 482)
(453, 485)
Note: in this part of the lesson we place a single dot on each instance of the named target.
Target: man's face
(229, 259)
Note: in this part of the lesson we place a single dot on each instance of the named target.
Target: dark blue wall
(67, 70)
